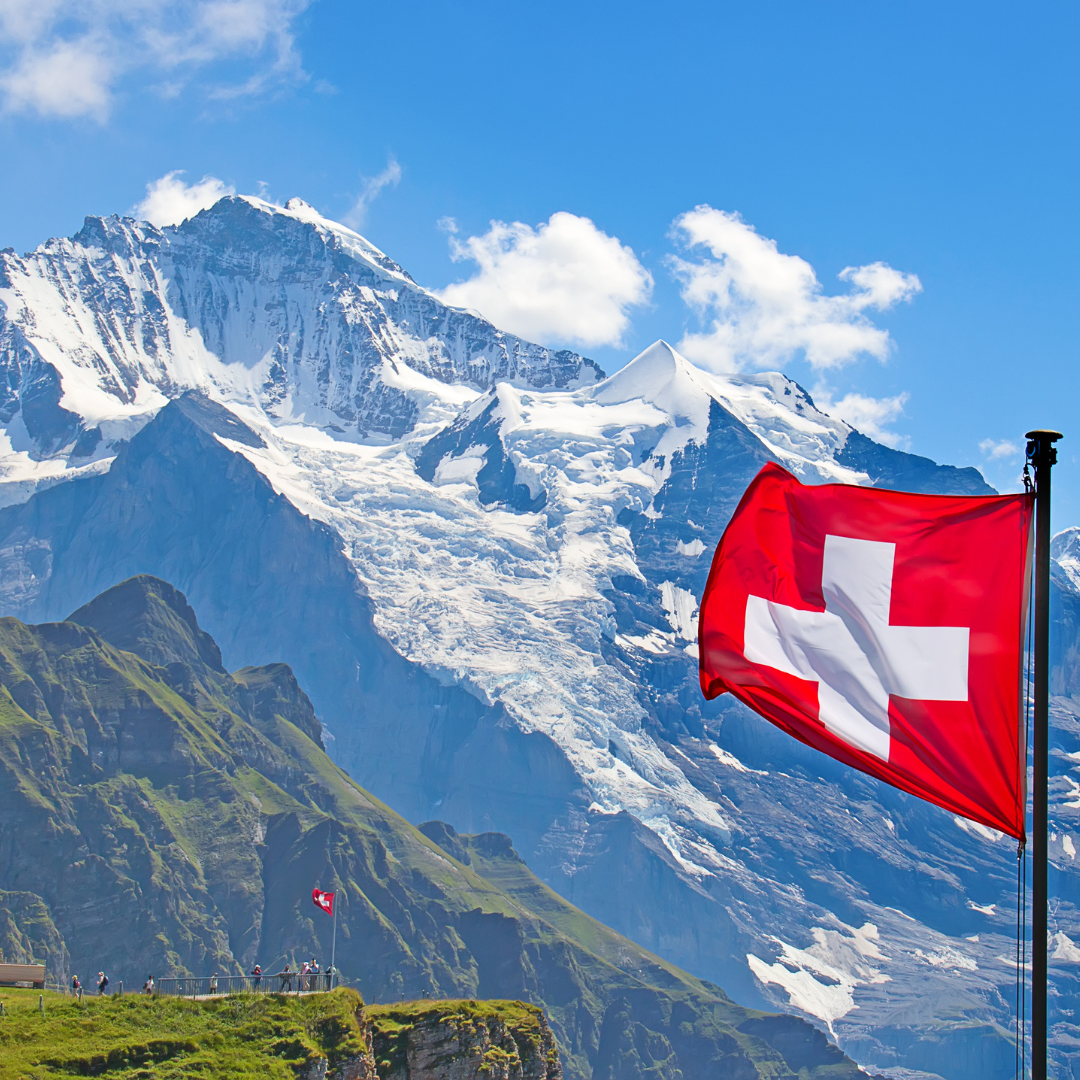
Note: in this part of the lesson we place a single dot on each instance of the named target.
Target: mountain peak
(151, 618)
(649, 373)
(275, 307)
(662, 377)
(240, 213)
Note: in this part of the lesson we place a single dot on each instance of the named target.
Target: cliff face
(358, 1066)
(463, 1040)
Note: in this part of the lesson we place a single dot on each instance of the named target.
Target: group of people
(102, 984)
(306, 976)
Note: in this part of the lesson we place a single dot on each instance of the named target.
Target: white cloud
(564, 282)
(995, 449)
(866, 414)
(67, 78)
(169, 200)
(761, 307)
(64, 58)
(389, 177)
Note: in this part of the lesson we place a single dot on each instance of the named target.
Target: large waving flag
(883, 628)
(324, 900)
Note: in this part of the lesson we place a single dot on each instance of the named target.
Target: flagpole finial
(1040, 447)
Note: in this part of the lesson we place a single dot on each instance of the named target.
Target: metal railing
(281, 982)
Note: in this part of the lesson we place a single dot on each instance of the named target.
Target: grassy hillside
(261, 1038)
(161, 815)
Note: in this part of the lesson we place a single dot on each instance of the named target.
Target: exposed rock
(463, 1040)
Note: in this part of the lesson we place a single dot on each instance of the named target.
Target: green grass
(139, 1037)
(515, 1014)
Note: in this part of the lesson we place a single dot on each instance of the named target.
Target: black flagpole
(1042, 455)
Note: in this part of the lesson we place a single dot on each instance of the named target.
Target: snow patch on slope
(821, 980)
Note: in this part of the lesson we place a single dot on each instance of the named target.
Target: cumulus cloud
(64, 58)
(564, 282)
(169, 200)
(869, 415)
(996, 449)
(69, 78)
(389, 177)
(761, 308)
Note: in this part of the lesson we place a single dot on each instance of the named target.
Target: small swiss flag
(324, 900)
(883, 628)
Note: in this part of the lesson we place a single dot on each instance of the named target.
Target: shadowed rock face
(496, 478)
(193, 810)
(888, 468)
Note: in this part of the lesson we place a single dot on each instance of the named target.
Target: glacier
(482, 558)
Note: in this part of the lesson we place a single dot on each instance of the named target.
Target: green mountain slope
(158, 814)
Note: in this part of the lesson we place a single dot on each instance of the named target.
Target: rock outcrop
(463, 1040)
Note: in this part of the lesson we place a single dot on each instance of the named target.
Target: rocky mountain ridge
(272, 305)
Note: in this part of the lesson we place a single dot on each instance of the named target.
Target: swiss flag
(883, 628)
(324, 900)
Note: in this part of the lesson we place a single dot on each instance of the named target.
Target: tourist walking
(76, 986)
(148, 986)
(213, 983)
(304, 976)
(102, 982)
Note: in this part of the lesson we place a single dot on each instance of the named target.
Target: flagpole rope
(1021, 852)
(1016, 976)
(1021, 963)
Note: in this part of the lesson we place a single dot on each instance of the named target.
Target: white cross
(850, 650)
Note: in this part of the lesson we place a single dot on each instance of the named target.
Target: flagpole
(1042, 455)
(333, 946)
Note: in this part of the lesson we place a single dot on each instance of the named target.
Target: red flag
(324, 900)
(883, 628)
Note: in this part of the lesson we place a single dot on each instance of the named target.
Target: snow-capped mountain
(482, 559)
(275, 306)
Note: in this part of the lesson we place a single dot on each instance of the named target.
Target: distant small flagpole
(333, 946)
(1042, 455)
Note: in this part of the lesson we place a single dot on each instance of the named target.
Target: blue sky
(937, 140)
